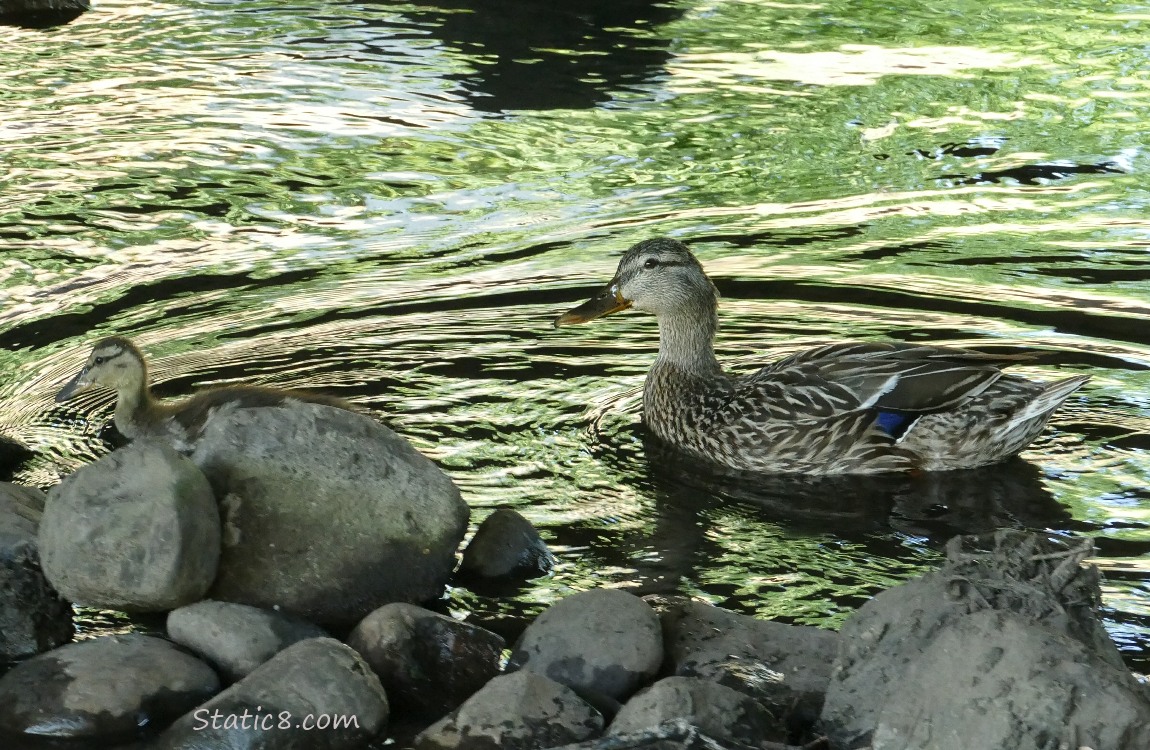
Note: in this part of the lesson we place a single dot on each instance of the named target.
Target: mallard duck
(118, 364)
(841, 408)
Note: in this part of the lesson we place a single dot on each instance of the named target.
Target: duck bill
(610, 300)
(75, 386)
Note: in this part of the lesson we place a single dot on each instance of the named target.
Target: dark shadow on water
(40, 14)
(935, 505)
(538, 55)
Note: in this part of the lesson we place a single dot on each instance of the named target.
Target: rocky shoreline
(1002, 647)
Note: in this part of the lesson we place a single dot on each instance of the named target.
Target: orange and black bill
(606, 302)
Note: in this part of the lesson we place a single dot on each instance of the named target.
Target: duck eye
(99, 360)
(651, 263)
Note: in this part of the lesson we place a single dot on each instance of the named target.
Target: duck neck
(133, 403)
(687, 341)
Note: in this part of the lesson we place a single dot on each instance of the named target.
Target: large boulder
(137, 531)
(521, 711)
(33, 617)
(998, 681)
(318, 694)
(1047, 599)
(105, 688)
(603, 642)
(428, 663)
(236, 638)
(327, 514)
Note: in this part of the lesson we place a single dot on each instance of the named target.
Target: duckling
(864, 408)
(118, 364)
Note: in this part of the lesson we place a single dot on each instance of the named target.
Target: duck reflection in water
(935, 505)
(118, 365)
(853, 408)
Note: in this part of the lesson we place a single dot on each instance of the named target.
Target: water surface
(392, 201)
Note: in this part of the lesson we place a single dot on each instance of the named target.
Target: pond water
(392, 201)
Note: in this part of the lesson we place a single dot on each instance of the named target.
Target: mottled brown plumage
(116, 363)
(842, 408)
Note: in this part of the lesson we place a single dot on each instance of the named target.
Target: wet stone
(787, 668)
(13, 453)
(33, 617)
(506, 545)
(603, 642)
(428, 663)
(106, 688)
(520, 711)
(718, 711)
(316, 695)
(136, 531)
(236, 638)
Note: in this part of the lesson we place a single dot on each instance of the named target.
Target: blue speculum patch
(894, 423)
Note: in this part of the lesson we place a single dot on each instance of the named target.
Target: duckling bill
(842, 408)
(118, 364)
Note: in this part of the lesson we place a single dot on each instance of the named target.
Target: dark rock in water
(428, 663)
(13, 454)
(1051, 599)
(604, 642)
(137, 531)
(520, 711)
(236, 638)
(787, 668)
(718, 711)
(996, 680)
(107, 688)
(316, 695)
(33, 617)
(506, 544)
(327, 514)
(38, 13)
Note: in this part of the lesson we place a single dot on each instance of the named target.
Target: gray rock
(327, 514)
(718, 711)
(236, 638)
(506, 544)
(1032, 575)
(999, 681)
(428, 663)
(318, 694)
(106, 688)
(138, 530)
(520, 711)
(787, 668)
(33, 617)
(604, 642)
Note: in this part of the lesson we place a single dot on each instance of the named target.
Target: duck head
(659, 276)
(114, 363)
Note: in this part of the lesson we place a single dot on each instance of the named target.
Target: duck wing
(182, 423)
(888, 377)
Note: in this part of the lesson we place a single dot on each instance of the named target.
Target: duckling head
(659, 276)
(114, 363)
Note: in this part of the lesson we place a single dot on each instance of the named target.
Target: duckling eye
(99, 360)
(651, 263)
